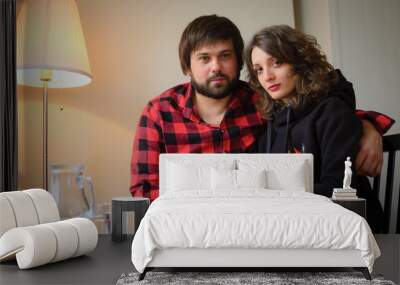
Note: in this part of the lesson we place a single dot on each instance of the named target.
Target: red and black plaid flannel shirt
(381, 122)
(171, 124)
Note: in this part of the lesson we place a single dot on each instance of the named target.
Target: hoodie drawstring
(269, 138)
(287, 130)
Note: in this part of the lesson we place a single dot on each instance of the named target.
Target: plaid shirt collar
(189, 111)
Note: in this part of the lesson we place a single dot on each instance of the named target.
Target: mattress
(251, 219)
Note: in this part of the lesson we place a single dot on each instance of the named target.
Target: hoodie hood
(342, 89)
(284, 118)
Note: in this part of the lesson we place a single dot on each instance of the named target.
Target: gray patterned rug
(243, 278)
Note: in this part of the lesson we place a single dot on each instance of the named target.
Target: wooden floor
(111, 259)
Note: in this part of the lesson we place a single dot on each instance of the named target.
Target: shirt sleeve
(381, 122)
(147, 146)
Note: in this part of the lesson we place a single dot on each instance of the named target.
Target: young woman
(305, 109)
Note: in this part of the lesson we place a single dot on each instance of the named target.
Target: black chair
(391, 144)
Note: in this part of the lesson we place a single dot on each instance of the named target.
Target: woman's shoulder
(334, 112)
(343, 89)
(334, 104)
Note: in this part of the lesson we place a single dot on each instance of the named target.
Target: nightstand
(125, 204)
(358, 205)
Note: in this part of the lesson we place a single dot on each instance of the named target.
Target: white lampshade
(50, 37)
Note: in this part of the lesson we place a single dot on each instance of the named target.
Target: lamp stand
(45, 77)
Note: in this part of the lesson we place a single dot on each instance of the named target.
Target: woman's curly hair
(302, 52)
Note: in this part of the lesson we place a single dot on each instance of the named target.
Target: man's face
(214, 69)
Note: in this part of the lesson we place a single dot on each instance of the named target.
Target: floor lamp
(51, 52)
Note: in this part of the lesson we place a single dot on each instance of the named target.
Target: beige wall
(313, 17)
(132, 47)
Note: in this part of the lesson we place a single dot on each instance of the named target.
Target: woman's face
(277, 79)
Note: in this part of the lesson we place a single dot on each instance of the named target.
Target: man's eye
(204, 58)
(226, 55)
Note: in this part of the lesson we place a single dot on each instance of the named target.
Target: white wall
(133, 52)
(367, 49)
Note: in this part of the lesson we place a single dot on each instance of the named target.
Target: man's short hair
(209, 29)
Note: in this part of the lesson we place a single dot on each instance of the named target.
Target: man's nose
(215, 66)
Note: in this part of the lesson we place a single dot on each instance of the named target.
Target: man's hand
(370, 156)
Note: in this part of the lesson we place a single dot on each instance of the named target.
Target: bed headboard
(289, 166)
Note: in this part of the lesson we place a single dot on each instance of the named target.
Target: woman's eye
(276, 63)
(258, 71)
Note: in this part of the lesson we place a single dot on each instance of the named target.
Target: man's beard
(215, 92)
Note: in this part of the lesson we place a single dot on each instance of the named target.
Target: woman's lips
(274, 87)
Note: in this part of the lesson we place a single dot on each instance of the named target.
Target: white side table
(124, 204)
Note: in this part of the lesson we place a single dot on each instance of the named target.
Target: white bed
(247, 210)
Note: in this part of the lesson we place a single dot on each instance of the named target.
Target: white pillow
(251, 178)
(193, 174)
(181, 172)
(227, 179)
(292, 178)
(223, 179)
(280, 174)
(187, 177)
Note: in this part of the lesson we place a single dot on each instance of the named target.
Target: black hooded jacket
(329, 129)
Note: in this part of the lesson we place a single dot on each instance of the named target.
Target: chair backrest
(26, 208)
(391, 144)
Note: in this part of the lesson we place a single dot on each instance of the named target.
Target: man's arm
(370, 155)
(147, 146)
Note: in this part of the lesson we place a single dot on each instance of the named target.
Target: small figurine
(345, 193)
(347, 174)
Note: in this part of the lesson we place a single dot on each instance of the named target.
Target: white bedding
(252, 218)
